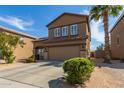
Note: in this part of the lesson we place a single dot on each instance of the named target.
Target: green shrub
(9, 57)
(8, 43)
(78, 70)
(31, 59)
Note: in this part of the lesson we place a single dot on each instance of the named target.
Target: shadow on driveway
(53, 63)
(54, 83)
(60, 83)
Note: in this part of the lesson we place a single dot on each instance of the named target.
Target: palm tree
(103, 12)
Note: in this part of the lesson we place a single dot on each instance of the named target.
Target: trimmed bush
(31, 59)
(78, 70)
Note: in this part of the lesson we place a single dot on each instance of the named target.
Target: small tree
(8, 43)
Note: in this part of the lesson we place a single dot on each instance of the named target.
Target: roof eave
(64, 14)
(19, 33)
(116, 22)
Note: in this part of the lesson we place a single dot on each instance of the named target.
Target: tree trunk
(107, 47)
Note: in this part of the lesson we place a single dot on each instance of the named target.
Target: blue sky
(33, 20)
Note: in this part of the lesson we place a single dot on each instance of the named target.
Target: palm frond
(97, 11)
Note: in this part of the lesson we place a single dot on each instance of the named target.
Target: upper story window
(65, 31)
(57, 32)
(73, 29)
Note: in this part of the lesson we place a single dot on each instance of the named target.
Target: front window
(74, 29)
(65, 31)
(57, 32)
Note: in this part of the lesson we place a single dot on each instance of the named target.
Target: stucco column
(34, 51)
(83, 54)
(45, 55)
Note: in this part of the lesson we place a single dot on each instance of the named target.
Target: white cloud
(95, 31)
(92, 47)
(85, 12)
(16, 22)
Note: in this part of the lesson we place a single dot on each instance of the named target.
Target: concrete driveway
(47, 74)
(41, 74)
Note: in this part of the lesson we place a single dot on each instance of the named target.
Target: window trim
(64, 31)
(72, 31)
(57, 32)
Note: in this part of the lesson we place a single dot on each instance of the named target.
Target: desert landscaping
(107, 76)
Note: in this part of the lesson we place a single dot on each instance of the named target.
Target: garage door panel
(61, 53)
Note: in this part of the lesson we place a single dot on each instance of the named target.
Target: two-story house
(68, 36)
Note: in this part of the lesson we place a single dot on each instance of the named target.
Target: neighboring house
(117, 39)
(19, 52)
(68, 36)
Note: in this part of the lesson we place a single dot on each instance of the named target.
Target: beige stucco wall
(117, 50)
(38, 43)
(67, 20)
(26, 51)
(83, 54)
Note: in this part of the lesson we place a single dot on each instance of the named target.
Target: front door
(39, 53)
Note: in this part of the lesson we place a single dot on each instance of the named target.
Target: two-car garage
(63, 52)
